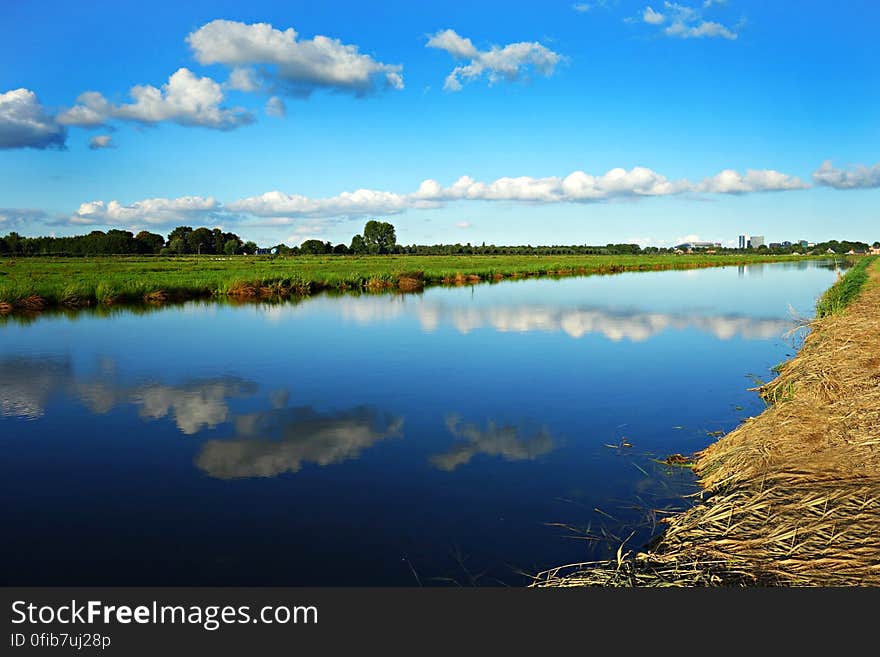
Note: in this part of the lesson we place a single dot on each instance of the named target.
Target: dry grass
(791, 497)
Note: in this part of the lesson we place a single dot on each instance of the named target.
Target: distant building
(756, 241)
(743, 240)
(775, 245)
(787, 245)
(804, 244)
(692, 246)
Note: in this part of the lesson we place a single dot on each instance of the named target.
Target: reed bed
(791, 497)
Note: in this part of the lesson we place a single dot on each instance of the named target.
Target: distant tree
(340, 249)
(200, 241)
(217, 241)
(379, 236)
(876, 245)
(177, 246)
(181, 232)
(358, 245)
(282, 250)
(315, 247)
(13, 243)
(250, 248)
(149, 242)
(230, 247)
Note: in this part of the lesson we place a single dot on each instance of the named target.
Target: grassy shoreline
(34, 284)
(792, 496)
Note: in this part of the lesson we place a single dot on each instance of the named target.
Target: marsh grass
(79, 282)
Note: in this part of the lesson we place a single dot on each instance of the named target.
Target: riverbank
(35, 284)
(791, 497)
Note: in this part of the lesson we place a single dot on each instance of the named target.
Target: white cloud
(277, 209)
(498, 63)
(243, 79)
(577, 187)
(652, 17)
(153, 212)
(857, 177)
(275, 107)
(583, 7)
(464, 225)
(186, 99)
(357, 203)
(25, 123)
(300, 65)
(687, 22)
(701, 30)
(101, 141)
(20, 217)
(765, 180)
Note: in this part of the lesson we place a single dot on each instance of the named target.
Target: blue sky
(551, 122)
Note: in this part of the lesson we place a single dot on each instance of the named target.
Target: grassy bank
(38, 283)
(845, 291)
(791, 497)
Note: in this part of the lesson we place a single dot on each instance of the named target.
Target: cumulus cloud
(25, 123)
(577, 187)
(243, 79)
(296, 66)
(498, 63)
(354, 204)
(684, 22)
(186, 99)
(101, 141)
(856, 177)
(765, 180)
(276, 208)
(148, 212)
(275, 107)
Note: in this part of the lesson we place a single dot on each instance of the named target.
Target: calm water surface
(463, 435)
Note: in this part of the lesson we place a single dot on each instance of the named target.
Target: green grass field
(36, 283)
(845, 291)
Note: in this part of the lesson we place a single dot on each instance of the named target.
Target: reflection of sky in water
(365, 429)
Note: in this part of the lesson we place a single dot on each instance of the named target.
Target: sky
(498, 122)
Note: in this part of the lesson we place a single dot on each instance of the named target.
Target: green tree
(200, 241)
(250, 248)
(358, 245)
(177, 246)
(149, 242)
(315, 247)
(230, 247)
(379, 236)
(179, 233)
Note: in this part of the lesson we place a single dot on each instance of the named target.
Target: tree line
(378, 237)
(180, 241)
